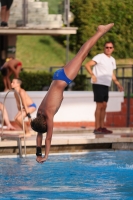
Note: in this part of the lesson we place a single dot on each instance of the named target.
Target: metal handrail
(21, 115)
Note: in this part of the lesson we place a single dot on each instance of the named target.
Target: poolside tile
(72, 136)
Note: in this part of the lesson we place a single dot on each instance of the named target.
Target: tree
(90, 13)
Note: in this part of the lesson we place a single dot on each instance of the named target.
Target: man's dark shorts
(101, 93)
(7, 3)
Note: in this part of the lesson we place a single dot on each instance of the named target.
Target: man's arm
(88, 66)
(117, 82)
(39, 139)
(23, 99)
(24, 103)
(17, 100)
(4, 65)
(48, 139)
(11, 66)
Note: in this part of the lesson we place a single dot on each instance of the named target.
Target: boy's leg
(20, 124)
(8, 83)
(6, 119)
(18, 120)
(3, 13)
(5, 83)
(39, 139)
(9, 3)
(9, 73)
(72, 68)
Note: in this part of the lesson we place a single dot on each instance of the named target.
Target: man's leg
(7, 11)
(7, 16)
(8, 83)
(3, 13)
(19, 121)
(98, 115)
(103, 112)
(5, 83)
(39, 139)
(5, 117)
(9, 73)
(18, 70)
(72, 68)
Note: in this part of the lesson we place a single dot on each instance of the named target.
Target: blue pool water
(101, 175)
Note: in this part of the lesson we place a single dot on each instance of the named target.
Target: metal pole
(25, 12)
(123, 75)
(67, 49)
(23, 7)
(21, 115)
(67, 10)
(128, 104)
(132, 78)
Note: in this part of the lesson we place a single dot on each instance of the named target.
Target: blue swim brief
(60, 75)
(32, 105)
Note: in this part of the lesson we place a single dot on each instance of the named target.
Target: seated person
(28, 105)
(5, 117)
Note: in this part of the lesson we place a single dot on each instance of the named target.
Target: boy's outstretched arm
(47, 141)
(39, 139)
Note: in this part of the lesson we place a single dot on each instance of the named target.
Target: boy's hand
(38, 158)
(43, 159)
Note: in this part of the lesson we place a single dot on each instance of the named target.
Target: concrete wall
(76, 106)
(119, 119)
(37, 13)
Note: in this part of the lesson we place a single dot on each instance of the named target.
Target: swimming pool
(96, 175)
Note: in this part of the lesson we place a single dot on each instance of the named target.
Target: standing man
(101, 78)
(12, 66)
(28, 105)
(5, 11)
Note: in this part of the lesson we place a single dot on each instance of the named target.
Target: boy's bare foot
(6, 90)
(10, 127)
(105, 28)
(27, 134)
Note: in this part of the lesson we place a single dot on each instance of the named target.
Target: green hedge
(131, 95)
(32, 81)
(80, 83)
(36, 81)
(90, 13)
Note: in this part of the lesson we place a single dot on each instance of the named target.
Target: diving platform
(37, 30)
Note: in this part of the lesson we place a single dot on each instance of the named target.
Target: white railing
(21, 107)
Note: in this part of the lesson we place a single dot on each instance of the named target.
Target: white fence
(76, 106)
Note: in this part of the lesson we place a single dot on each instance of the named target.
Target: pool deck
(69, 139)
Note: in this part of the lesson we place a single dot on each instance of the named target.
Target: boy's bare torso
(53, 99)
(12, 62)
(24, 96)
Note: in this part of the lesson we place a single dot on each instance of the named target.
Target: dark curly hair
(39, 124)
